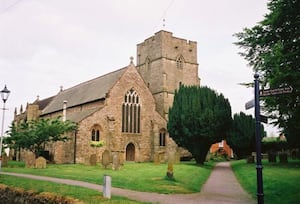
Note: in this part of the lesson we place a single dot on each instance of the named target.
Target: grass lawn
(281, 182)
(82, 194)
(136, 176)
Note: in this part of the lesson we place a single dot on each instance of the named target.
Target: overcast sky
(45, 44)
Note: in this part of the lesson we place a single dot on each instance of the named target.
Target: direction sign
(249, 104)
(278, 91)
(264, 119)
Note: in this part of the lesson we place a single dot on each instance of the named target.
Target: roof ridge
(90, 80)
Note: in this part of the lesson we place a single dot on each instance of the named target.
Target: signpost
(259, 167)
(249, 104)
(264, 119)
(277, 91)
(261, 118)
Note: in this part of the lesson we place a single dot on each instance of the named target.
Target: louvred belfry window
(131, 112)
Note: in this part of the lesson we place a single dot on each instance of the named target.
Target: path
(221, 187)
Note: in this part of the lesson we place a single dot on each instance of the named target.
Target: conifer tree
(198, 118)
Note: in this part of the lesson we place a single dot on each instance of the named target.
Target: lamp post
(4, 95)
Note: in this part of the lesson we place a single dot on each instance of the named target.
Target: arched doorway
(130, 152)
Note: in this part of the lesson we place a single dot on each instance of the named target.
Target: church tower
(165, 62)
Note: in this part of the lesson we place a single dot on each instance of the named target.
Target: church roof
(79, 116)
(85, 92)
(43, 103)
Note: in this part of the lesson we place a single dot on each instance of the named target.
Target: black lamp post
(4, 95)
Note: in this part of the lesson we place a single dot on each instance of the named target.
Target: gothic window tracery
(179, 62)
(131, 112)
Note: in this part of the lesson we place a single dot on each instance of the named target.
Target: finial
(61, 88)
(131, 60)
(164, 23)
(37, 97)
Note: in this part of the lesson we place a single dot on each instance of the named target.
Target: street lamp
(4, 95)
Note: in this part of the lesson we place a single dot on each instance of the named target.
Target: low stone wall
(20, 196)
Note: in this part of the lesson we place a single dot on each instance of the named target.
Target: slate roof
(85, 92)
(43, 103)
(79, 116)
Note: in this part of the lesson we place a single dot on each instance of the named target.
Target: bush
(20, 196)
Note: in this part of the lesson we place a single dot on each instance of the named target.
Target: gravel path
(221, 187)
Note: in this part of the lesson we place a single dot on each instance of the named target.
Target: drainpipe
(75, 143)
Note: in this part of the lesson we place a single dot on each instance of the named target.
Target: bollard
(107, 186)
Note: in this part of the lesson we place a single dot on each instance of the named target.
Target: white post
(107, 186)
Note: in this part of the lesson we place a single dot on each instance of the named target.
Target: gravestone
(283, 157)
(116, 161)
(106, 159)
(161, 157)
(4, 160)
(170, 173)
(93, 160)
(156, 159)
(177, 157)
(40, 163)
(29, 160)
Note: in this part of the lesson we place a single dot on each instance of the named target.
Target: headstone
(29, 160)
(170, 173)
(283, 157)
(40, 163)
(177, 157)
(171, 157)
(93, 160)
(250, 159)
(121, 158)
(156, 158)
(272, 156)
(106, 159)
(107, 186)
(4, 160)
(116, 161)
(161, 157)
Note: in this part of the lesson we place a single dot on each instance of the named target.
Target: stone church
(127, 109)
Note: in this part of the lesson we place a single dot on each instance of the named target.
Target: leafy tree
(272, 49)
(198, 118)
(33, 135)
(242, 136)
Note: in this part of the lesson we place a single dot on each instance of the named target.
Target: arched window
(162, 138)
(179, 62)
(131, 112)
(95, 134)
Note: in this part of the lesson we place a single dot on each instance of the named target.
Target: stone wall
(157, 63)
(109, 118)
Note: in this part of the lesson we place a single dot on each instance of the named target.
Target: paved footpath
(221, 188)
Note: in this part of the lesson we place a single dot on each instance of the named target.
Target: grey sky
(47, 44)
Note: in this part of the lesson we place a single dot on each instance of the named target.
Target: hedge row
(20, 196)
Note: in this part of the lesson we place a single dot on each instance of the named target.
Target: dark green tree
(272, 48)
(34, 135)
(242, 135)
(198, 118)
